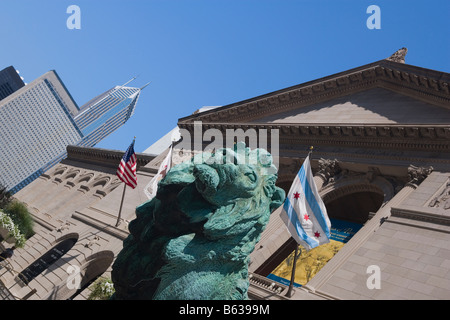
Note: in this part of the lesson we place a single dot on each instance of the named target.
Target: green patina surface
(193, 240)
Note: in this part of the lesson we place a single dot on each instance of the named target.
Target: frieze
(103, 155)
(417, 137)
(392, 156)
(382, 131)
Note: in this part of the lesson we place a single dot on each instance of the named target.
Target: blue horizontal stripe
(312, 201)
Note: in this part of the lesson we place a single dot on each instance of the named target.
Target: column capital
(417, 174)
(328, 168)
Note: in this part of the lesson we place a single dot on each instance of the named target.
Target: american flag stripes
(127, 167)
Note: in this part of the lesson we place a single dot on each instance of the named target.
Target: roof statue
(399, 55)
(193, 240)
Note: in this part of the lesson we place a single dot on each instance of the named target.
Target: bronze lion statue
(193, 240)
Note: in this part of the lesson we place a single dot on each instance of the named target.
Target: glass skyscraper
(38, 122)
(10, 82)
(105, 113)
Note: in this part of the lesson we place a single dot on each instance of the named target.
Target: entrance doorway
(348, 208)
(93, 270)
(355, 207)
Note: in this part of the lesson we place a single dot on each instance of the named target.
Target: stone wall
(78, 199)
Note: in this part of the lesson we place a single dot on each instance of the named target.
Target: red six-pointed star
(306, 217)
(316, 234)
(296, 195)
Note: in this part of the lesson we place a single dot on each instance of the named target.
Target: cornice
(421, 216)
(424, 84)
(434, 138)
(101, 225)
(113, 157)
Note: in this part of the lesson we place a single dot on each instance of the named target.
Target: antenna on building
(142, 88)
(132, 79)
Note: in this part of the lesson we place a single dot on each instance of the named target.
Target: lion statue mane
(193, 240)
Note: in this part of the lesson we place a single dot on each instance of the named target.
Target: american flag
(127, 167)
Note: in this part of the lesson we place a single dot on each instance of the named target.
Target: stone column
(416, 175)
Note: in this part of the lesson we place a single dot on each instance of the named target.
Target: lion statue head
(193, 240)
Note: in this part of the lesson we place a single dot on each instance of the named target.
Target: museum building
(381, 163)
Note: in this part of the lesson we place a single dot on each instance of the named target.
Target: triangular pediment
(383, 92)
(372, 106)
(382, 107)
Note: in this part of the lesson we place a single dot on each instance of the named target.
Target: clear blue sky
(210, 52)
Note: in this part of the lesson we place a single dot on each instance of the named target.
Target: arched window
(46, 260)
(85, 177)
(96, 266)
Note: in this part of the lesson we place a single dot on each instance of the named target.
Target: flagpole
(291, 284)
(310, 151)
(123, 194)
(121, 204)
(171, 156)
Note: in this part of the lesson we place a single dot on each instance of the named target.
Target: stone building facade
(75, 207)
(381, 158)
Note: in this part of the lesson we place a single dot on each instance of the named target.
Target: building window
(46, 260)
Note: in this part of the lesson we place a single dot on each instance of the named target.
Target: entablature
(418, 137)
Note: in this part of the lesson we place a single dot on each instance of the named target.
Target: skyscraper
(10, 82)
(105, 113)
(38, 122)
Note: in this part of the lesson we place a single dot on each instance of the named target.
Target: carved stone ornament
(372, 173)
(418, 174)
(328, 168)
(63, 226)
(443, 199)
(92, 241)
(399, 55)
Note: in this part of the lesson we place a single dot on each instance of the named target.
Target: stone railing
(264, 288)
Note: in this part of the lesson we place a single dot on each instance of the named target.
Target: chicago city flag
(152, 186)
(303, 211)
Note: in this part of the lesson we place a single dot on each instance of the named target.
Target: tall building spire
(142, 88)
(132, 79)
